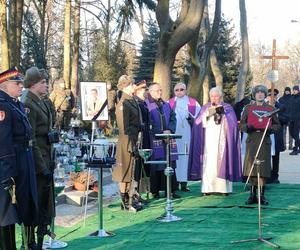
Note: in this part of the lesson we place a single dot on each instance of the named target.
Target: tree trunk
(40, 7)
(107, 30)
(205, 90)
(216, 69)
(12, 39)
(163, 71)
(19, 22)
(75, 62)
(206, 46)
(244, 68)
(4, 36)
(67, 44)
(194, 88)
(173, 35)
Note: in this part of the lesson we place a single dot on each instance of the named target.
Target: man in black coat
(162, 119)
(18, 191)
(286, 101)
(295, 120)
(283, 117)
(142, 171)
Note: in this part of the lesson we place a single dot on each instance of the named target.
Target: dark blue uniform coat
(16, 161)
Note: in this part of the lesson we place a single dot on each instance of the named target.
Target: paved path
(289, 168)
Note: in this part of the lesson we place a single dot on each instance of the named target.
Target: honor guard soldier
(18, 192)
(40, 118)
(253, 122)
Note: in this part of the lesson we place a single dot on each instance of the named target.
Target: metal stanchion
(100, 232)
(169, 171)
(257, 163)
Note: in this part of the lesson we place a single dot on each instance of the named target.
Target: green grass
(209, 222)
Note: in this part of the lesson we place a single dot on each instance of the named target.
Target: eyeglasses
(176, 90)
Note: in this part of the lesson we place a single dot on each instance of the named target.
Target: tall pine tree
(146, 58)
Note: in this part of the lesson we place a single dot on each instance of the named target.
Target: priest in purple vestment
(215, 154)
(162, 119)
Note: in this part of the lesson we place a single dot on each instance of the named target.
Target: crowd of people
(211, 137)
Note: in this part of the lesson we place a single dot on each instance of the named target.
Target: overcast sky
(267, 19)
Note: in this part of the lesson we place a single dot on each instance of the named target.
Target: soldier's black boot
(43, 230)
(30, 239)
(252, 198)
(263, 199)
(40, 240)
(184, 187)
(7, 238)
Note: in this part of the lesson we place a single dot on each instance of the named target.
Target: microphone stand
(258, 162)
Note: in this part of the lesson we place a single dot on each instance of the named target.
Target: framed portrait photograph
(93, 98)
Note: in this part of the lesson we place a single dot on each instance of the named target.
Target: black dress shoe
(294, 152)
(276, 181)
(185, 189)
(175, 196)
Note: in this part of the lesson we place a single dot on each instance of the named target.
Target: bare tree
(75, 61)
(216, 70)
(202, 48)
(18, 31)
(67, 44)
(15, 30)
(244, 68)
(174, 34)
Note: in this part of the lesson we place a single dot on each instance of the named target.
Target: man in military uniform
(253, 123)
(63, 101)
(41, 122)
(129, 123)
(18, 192)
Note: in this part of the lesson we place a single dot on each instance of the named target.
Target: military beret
(259, 88)
(124, 81)
(11, 74)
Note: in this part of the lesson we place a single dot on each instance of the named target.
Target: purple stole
(158, 146)
(191, 105)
